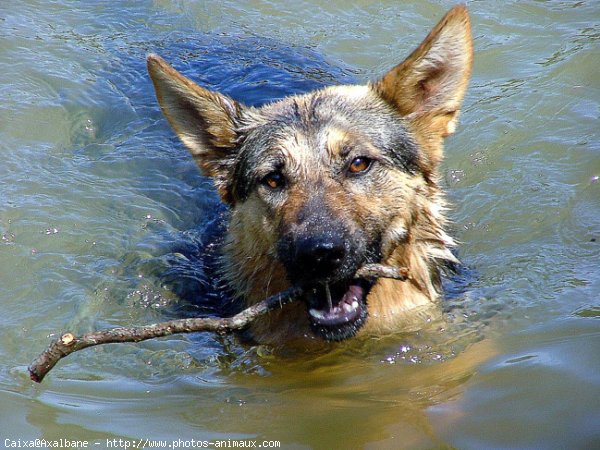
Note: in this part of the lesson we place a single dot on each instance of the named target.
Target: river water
(99, 204)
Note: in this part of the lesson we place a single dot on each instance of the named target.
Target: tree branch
(69, 343)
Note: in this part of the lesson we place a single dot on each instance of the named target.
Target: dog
(320, 184)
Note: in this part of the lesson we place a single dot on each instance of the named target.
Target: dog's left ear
(205, 121)
(428, 87)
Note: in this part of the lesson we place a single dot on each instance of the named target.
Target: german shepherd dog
(320, 184)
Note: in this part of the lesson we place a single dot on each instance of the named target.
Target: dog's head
(323, 183)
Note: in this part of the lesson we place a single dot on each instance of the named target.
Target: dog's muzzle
(324, 262)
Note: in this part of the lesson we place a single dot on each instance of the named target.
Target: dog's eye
(359, 165)
(274, 180)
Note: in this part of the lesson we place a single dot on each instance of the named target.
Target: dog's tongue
(347, 309)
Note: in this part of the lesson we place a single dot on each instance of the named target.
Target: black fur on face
(318, 246)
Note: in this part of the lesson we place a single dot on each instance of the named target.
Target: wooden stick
(68, 343)
(382, 271)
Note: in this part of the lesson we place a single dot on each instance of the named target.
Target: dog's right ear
(205, 121)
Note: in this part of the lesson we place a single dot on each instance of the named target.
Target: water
(98, 199)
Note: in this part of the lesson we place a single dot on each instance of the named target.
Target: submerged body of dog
(321, 184)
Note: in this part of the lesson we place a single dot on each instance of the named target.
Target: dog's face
(324, 183)
(322, 176)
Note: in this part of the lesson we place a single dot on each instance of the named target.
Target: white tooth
(316, 313)
(348, 308)
(354, 304)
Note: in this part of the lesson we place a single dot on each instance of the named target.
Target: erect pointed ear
(428, 87)
(205, 121)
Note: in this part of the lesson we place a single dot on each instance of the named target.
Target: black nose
(319, 256)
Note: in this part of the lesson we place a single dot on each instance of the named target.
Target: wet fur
(394, 213)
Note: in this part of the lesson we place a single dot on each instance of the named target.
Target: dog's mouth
(338, 310)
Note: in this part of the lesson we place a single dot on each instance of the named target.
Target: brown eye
(273, 180)
(359, 165)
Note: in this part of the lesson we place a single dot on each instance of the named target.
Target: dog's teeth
(348, 308)
(355, 304)
(316, 313)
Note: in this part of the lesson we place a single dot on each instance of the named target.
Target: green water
(92, 182)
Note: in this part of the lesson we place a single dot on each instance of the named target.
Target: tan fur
(430, 84)
(424, 92)
(203, 120)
